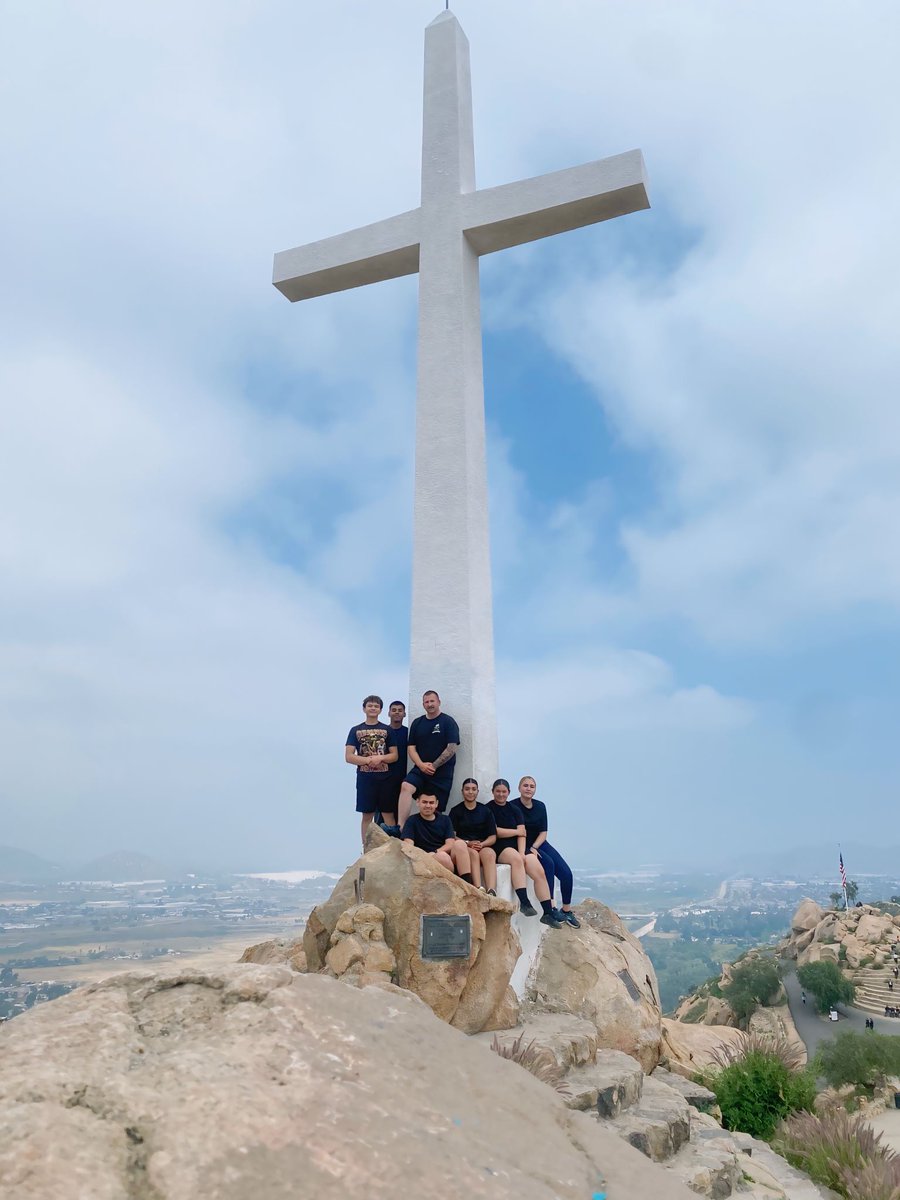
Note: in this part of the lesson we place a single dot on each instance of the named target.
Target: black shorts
(427, 784)
(375, 793)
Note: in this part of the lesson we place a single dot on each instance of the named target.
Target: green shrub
(863, 1059)
(827, 984)
(840, 1152)
(752, 983)
(842, 953)
(867, 960)
(758, 1090)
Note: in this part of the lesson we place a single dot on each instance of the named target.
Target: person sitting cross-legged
(510, 846)
(432, 832)
(476, 827)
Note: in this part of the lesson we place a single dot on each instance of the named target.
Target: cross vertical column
(452, 644)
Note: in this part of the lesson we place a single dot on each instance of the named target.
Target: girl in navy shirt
(475, 826)
(510, 846)
(534, 815)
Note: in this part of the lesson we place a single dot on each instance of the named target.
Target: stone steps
(658, 1124)
(608, 1086)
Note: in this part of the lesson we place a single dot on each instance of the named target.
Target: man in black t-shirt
(433, 742)
(432, 832)
(371, 747)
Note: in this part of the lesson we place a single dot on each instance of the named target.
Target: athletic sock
(522, 893)
(466, 877)
(547, 907)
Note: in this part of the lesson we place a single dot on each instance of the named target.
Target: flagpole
(843, 878)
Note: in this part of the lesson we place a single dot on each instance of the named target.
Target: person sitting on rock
(432, 832)
(474, 824)
(510, 847)
(534, 813)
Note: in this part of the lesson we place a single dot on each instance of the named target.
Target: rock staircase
(872, 991)
(668, 1118)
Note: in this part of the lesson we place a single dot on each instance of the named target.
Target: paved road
(814, 1029)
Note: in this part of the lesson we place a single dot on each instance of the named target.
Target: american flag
(843, 872)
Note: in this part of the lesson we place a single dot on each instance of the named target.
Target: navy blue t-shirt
(397, 770)
(535, 819)
(371, 739)
(431, 736)
(428, 835)
(473, 825)
(506, 816)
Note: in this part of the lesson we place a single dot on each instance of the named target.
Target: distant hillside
(123, 866)
(19, 866)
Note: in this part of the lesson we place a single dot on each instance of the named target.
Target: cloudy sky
(694, 427)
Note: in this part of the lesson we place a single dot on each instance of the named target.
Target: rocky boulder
(692, 1048)
(258, 1082)
(359, 953)
(287, 952)
(875, 928)
(601, 973)
(473, 993)
(807, 916)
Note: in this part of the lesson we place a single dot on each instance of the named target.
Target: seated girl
(475, 826)
(510, 847)
(534, 814)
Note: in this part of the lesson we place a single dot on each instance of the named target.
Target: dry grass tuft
(839, 1150)
(536, 1059)
(759, 1043)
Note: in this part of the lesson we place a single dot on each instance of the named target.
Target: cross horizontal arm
(496, 218)
(385, 250)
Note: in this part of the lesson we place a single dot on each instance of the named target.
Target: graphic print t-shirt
(428, 835)
(368, 740)
(398, 769)
(431, 736)
(535, 820)
(473, 825)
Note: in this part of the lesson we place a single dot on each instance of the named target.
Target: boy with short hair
(432, 832)
(371, 747)
(396, 770)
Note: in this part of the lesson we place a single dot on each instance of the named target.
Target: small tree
(826, 983)
(852, 891)
(836, 898)
(859, 1058)
(752, 983)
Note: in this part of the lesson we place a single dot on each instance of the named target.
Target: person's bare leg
(444, 859)
(489, 868)
(459, 852)
(364, 825)
(404, 804)
(536, 871)
(513, 860)
(474, 866)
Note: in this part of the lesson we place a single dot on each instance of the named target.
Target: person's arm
(446, 755)
(489, 841)
(520, 834)
(539, 841)
(511, 831)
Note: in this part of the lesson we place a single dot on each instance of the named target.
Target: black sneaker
(550, 919)
(527, 909)
(570, 919)
(491, 892)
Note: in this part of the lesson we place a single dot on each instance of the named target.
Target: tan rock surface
(359, 953)
(807, 916)
(286, 951)
(471, 994)
(601, 972)
(691, 1048)
(254, 1083)
(775, 1021)
(875, 928)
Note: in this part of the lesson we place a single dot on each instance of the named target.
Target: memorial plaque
(446, 937)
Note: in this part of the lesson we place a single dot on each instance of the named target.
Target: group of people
(474, 837)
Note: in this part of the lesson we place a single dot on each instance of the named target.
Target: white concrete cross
(452, 640)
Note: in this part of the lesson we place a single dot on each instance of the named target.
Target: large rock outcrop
(258, 1082)
(473, 993)
(693, 1048)
(601, 972)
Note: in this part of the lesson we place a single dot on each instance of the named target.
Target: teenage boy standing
(433, 742)
(371, 747)
(397, 770)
